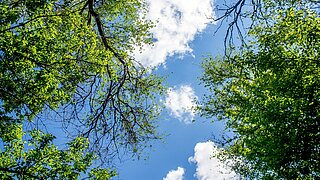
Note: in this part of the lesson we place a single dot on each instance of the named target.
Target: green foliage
(269, 95)
(74, 57)
(39, 158)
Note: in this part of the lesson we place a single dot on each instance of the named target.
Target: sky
(184, 35)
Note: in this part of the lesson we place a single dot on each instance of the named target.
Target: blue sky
(184, 35)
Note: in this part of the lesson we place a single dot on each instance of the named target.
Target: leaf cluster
(73, 60)
(38, 158)
(268, 94)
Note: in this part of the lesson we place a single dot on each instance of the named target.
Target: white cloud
(175, 174)
(180, 102)
(178, 21)
(208, 167)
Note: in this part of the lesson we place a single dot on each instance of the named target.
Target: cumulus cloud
(208, 167)
(175, 174)
(180, 103)
(178, 21)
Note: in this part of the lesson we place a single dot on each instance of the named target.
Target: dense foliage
(39, 158)
(269, 96)
(72, 60)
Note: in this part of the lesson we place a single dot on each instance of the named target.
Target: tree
(269, 96)
(39, 158)
(73, 58)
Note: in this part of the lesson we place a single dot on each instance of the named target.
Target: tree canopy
(74, 59)
(43, 160)
(268, 95)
